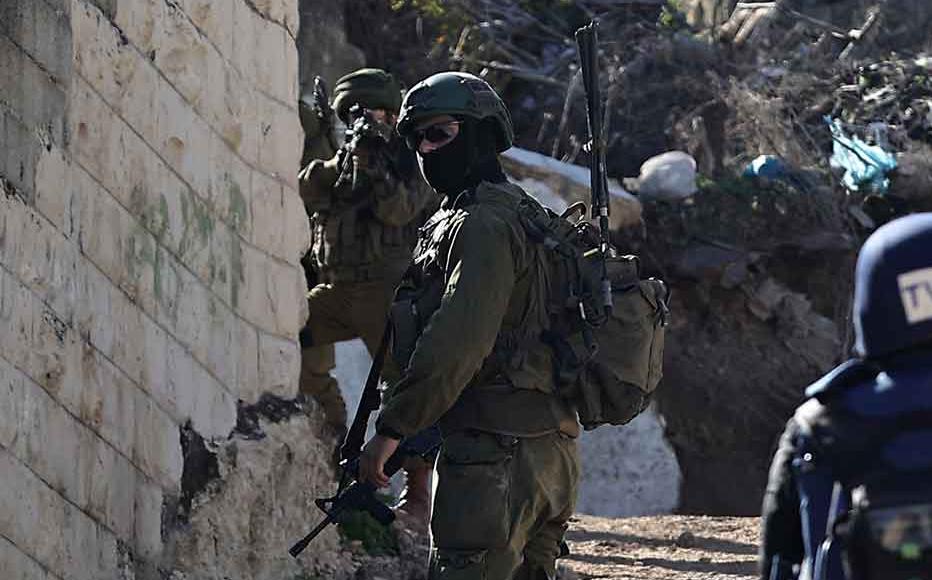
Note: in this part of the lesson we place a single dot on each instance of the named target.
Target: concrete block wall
(150, 236)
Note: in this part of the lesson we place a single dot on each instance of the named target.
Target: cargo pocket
(471, 506)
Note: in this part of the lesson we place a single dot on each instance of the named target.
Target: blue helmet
(893, 288)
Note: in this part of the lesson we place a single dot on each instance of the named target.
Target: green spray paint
(239, 208)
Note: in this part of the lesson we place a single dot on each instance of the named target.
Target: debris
(913, 178)
(862, 218)
(686, 539)
(767, 166)
(861, 37)
(765, 300)
(200, 468)
(544, 176)
(670, 176)
(863, 164)
(710, 261)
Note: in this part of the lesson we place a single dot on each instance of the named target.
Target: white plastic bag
(670, 176)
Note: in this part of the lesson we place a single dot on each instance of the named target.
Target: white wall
(150, 232)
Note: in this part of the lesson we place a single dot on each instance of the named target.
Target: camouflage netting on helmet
(371, 88)
(459, 95)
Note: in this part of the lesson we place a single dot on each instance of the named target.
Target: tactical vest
(350, 243)
(513, 392)
(864, 478)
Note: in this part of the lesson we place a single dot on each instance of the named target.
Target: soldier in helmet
(366, 204)
(467, 331)
(850, 489)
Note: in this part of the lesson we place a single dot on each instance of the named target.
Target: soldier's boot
(317, 383)
(327, 394)
(414, 503)
(541, 553)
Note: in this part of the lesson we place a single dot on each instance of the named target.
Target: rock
(629, 470)
(558, 184)
(765, 299)
(805, 332)
(565, 573)
(912, 180)
(262, 502)
(813, 337)
(735, 274)
(862, 218)
(686, 539)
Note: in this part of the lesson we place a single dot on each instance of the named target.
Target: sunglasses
(438, 135)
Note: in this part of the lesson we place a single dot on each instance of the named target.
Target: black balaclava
(465, 161)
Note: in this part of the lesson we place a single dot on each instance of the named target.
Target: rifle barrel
(587, 41)
(301, 544)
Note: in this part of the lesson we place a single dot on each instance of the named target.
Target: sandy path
(667, 547)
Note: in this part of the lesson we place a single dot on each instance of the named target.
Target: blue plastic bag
(767, 166)
(863, 164)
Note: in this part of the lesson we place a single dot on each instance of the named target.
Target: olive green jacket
(367, 234)
(479, 362)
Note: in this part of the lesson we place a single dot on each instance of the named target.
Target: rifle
(587, 42)
(356, 496)
(362, 132)
(351, 495)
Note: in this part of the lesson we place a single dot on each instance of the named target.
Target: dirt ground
(662, 547)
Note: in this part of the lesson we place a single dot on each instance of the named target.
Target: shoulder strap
(847, 374)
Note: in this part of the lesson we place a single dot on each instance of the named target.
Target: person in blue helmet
(850, 488)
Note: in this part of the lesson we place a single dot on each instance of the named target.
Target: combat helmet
(456, 94)
(893, 288)
(372, 88)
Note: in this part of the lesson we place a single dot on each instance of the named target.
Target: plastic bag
(864, 165)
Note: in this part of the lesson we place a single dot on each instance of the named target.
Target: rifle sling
(369, 401)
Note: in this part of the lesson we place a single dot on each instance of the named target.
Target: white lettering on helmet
(916, 293)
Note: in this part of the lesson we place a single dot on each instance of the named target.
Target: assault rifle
(587, 42)
(356, 496)
(362, 130)
(323, 110)
(352, 495)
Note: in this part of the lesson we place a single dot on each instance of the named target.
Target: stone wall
(150, 290)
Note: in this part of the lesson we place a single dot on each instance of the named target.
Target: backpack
(607, 364)
(859, 492)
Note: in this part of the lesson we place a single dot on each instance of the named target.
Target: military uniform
(365, 207)
(467, 319)
(317, 361)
